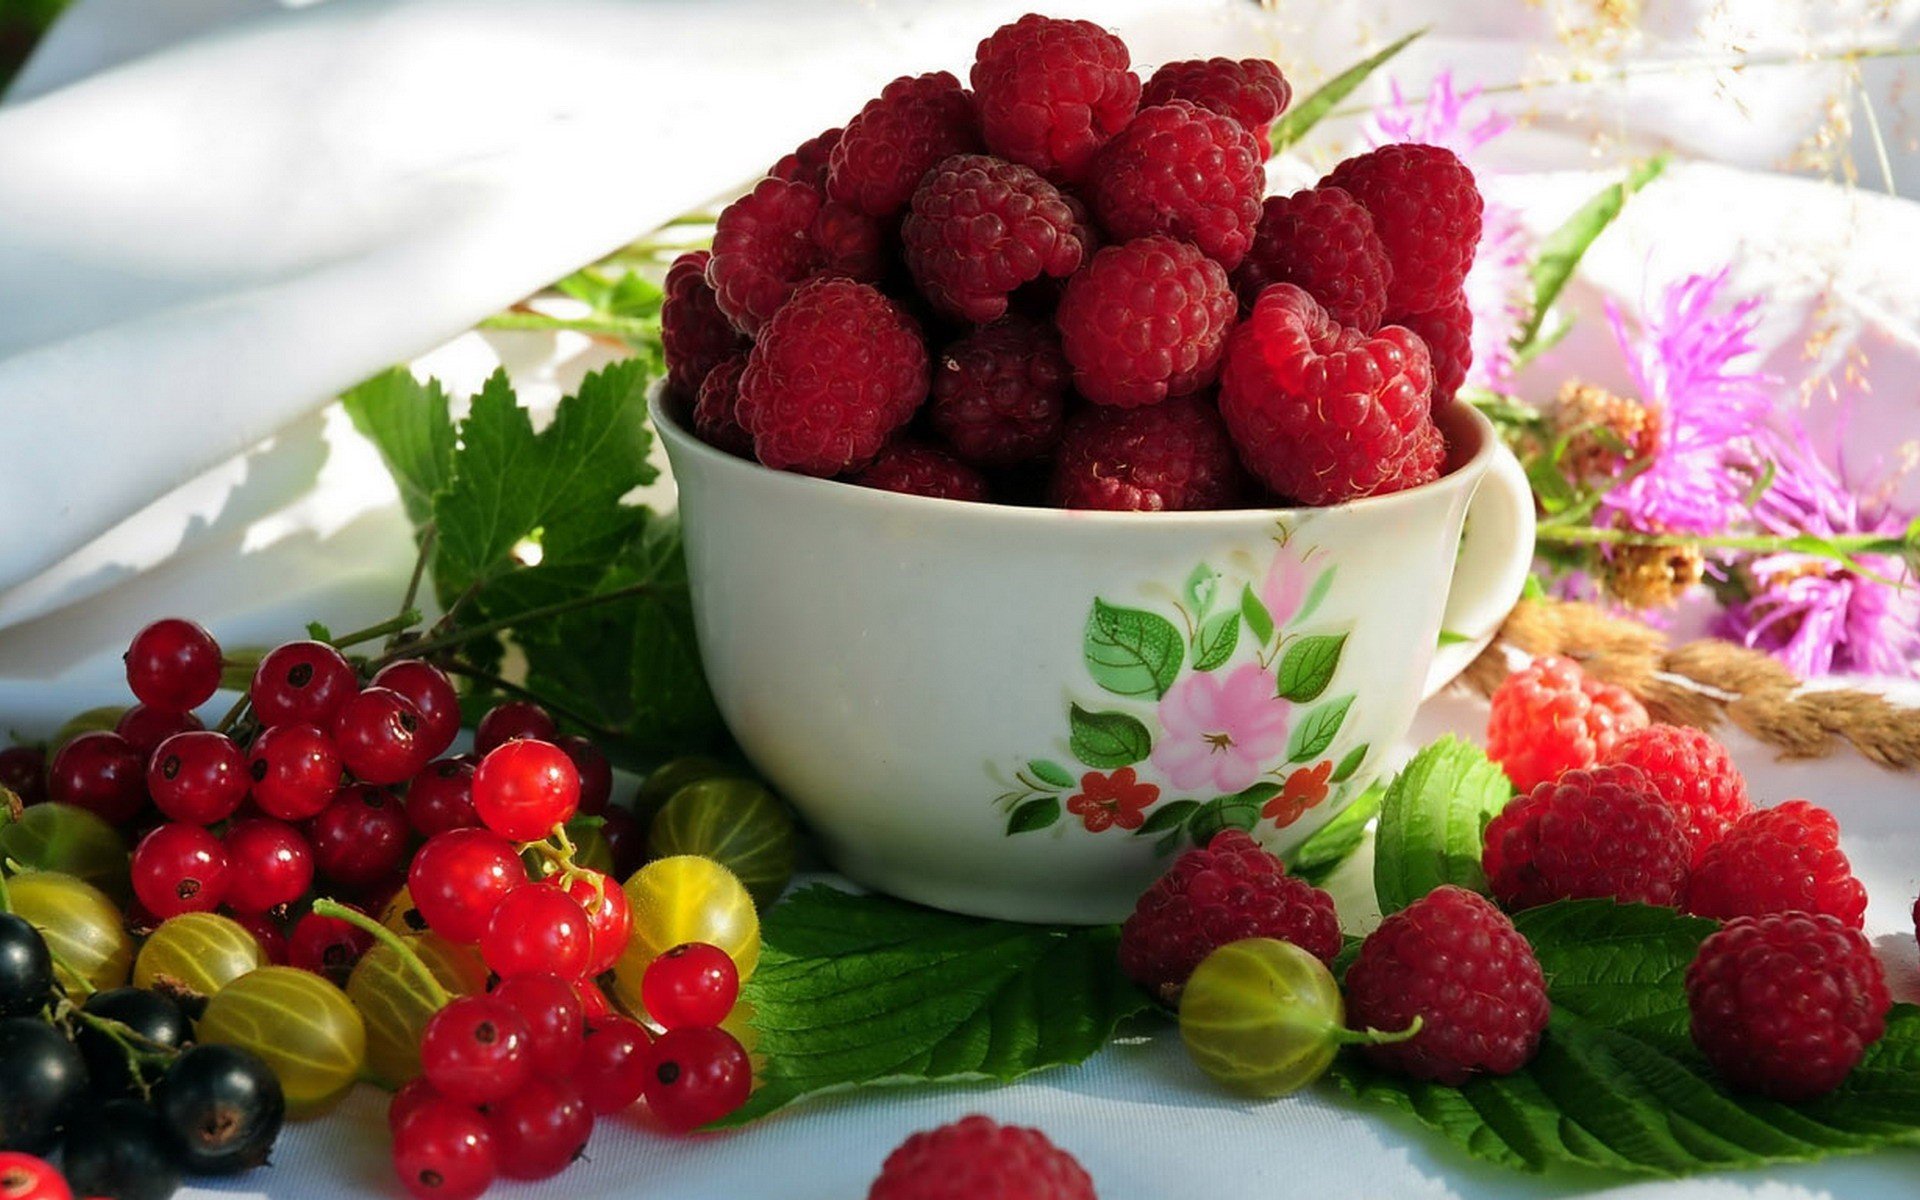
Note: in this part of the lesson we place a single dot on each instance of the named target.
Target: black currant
(222, 1106)
(120, 1151)
(42, 1080)
(153, 1016)
(26, 969)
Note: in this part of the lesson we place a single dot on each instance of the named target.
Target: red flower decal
(1303, 789)
(1108, 800)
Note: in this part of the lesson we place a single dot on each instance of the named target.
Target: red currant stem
(234, 714)
(429, 537)
(457, 637)
(400, 624)
(573, 716)
(391, 940)
(1376, 1037)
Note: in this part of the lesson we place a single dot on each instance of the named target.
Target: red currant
(199, 777)
(511, 721)
(614, 1064)
(360, 838)
(432, 694)
(540, 1128)
(458, 877)
(697, 1077)
(524, 788)
(554, 1017)
(301, 683)
(179, 868)
(145, 728)
(295, 771)
(443, 1151)
(23, 771)
(537, 927)
(100, 772)
(378, 733)
(271, 864)
(24, 1177)
(608, 915)
(441, 798)
(593, 1001)
(413, 1096)
(173, 665)
(476, 1050)
(626, 840)
(266, 931)
(327, 946)
(690, 986)
(596, 773)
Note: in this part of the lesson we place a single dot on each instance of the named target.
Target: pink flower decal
(1108, 800)
(1220, 729)
(1285, 585)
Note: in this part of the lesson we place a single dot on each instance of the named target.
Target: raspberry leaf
(861, 991)
(1131, 652)
(1107, 739)
(1308, 666)
(1312, 736)
(409, 422)
(1432, 820)
(1335, 842)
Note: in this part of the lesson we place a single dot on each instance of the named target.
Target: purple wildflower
(1684, 360)
(1445, 117)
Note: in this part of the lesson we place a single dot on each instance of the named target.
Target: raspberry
(921, 470)
(1550, 717)
(912, 124)
(1695, 776)
(694, 334)
(836, 371)
(1251, 91)
(1144, 321)
(1230, 890)
(1448, 333)
(1051, 92)
(1323, 413)
(762, 250)
(976, 1159)
(1185, 171)
(1781, 859)
(1170, 457)
(714, 413)
(851, 243)
(808, 162)
(1457, 963)
(1321, 241)
(1599, 833)
(1427, 210)
(1785, 1004)
(1000, 393)
(979, 228)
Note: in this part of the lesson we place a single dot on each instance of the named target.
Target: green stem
(391, 940)
(459, 637)
(6, 897)
(513, 689)
(140, 1049)
(629, 329)
(79, 980)
(400, 624)
(1376, 1037)
(1838, 547)
(234, 714)
(429, 535)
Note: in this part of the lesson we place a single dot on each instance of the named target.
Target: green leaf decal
(1107, 739)
(1333, 843)
(409, 423)
(1308, 111)
(1034, 814)
(1049, 772)
(1317, 593)
(1617, 1084)
(1200, 589)
(1259, 621)
(1130, 652)
(1168, 816)
(1308, 666)
(1561, 252)
(1316, 731)
(1432, 822)
(864, 991)
(1351, 763)
(1214, 643)
(1223, 812)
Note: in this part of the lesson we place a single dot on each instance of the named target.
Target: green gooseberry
(669, 777)
(68, 840)
(738, 824)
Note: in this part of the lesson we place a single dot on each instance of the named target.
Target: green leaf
(1107, 739)
(1214, 643)
(319, 632)
(1034, 814)
(1308, 666)
(1171, 815)
(1310, 110)
(1333, 843)
(1351, 763)
(1259, 621)
(1049, 772)
(1432, 820)
(626, 295)
(409, 423)
(1130, 652)
(1316, 732)
(1617, 1084)
(1562, 250)
(1449, 638)
(1200, 588)
(1238, 811)
(863, 991)
(1316, 593)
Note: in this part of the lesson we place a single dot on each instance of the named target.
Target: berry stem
(626, 329)
(392, 941)
(458, 637)
(1376, 1037)
(141, 1051)
(400, 624)
(429, 538)
(1839, 548)
(6, 897)
(511, 688)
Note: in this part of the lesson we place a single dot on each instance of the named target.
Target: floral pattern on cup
(1212, 706)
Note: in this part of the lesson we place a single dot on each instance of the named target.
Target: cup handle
(1496, 552)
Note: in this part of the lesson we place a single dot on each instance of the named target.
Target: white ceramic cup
(1022, 712)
